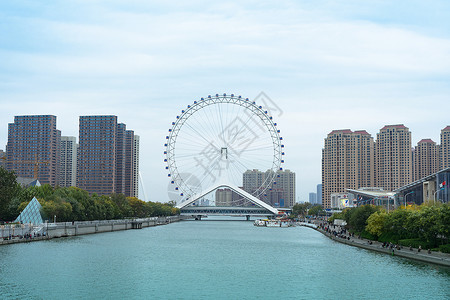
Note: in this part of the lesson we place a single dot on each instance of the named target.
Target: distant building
(425, 157)
(227, 197)
(281, 191)
(319, 194)
(136, 166)
(253, 180)
(347, 162)
(68, 168)
(313, 198)
(106, 155)
(33, 148)
(393, 157)
(2, 159)
(444, 149)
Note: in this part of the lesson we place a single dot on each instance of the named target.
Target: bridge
(199, 211)
(260, 208)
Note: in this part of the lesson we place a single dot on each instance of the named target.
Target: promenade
(26, 234)
(434, 257)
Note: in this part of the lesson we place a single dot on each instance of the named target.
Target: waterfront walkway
(423, 255)
(22, 233)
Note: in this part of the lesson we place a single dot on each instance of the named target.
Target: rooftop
(395, 126)
(426, 141)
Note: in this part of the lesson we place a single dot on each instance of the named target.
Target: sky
(326, 64)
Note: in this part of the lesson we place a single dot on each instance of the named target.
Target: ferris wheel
(216, 140)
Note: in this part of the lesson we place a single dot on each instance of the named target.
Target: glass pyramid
(31, 213)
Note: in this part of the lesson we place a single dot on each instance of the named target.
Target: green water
(212, 260)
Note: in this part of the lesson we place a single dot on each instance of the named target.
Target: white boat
(272, 223)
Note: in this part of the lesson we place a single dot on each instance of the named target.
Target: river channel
(212, 260)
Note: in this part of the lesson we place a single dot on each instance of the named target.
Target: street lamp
(407, 195)
(435, 195)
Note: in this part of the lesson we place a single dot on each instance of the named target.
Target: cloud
(328, 66)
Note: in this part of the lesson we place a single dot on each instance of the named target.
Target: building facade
(68, 167)
(106, 156)
(136, 166)
(280, 193)
(347, 162)
(33, 148)
(444, 149)
(393, 157)
(96, 167)
(425, 158)
(313, 198)
(319, 194)
(2, 159)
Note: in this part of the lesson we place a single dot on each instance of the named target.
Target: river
(212, 260)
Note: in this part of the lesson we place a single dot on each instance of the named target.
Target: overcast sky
(327, 64)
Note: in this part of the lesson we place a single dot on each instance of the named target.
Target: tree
(359, 216)
(315, 210)
(299, 209)
(376, 223)
(9, 189)
(396, 223)
(429, 223)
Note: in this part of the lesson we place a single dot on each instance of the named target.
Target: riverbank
(23, 234)
(434, 257)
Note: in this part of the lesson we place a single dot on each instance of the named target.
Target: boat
(273, 223)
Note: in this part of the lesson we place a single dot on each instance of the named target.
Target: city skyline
(325, 66)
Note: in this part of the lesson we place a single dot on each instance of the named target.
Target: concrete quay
(65, 229)
(434, 257)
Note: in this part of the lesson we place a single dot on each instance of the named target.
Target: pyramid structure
(31, 213)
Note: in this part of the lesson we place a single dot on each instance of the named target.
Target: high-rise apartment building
(33, 148)
(253, 180)
(347, 162)
(425, 157)
(313, 198)
(227, 197)
(106, 155)
(319, 194)
(281, 191)
(96, 166)
(444, 149)
(393, 157)
(68, 167)
(136, 166)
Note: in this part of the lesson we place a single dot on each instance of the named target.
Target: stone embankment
(24, 233)
(434, 257)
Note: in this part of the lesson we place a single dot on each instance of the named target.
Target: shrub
(389, 237)
(444, 248)
(415, 243)
(368, 235)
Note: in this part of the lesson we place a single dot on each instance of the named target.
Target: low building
(374, 196)
(342, 200)
(434, 187)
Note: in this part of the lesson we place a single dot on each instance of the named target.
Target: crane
(36, 164)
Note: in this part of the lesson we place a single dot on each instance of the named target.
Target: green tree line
(74, 204)
(428, 225)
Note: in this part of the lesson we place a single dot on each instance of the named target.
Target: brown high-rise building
(444, 149)
(106, 155)
(425, 159)
(33, 148)
(393, 157)
(347, 162)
